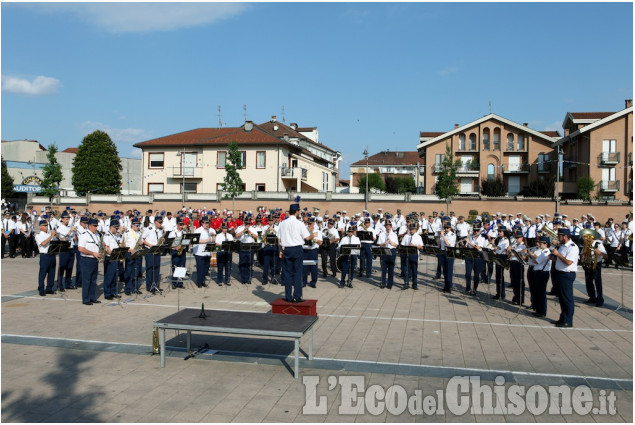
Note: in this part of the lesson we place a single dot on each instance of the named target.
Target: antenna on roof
(283, 120)
(220, 121)
(490, 106)
(245, 112)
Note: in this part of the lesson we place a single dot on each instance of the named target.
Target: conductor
(291, 236)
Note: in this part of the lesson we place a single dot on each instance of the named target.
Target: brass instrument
(551, 234)
(102, 251)
(589, 259)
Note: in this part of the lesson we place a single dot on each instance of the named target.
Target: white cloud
(41, 85)
(448, 70)
(118, 135)
(146, 17)
(555, 126)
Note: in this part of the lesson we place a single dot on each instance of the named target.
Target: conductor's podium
(305, 308)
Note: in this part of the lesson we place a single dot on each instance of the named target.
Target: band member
(476, 264)
(311, 254)
(177, 251)
(625, 242)
(223, 258)
(47, 261)
(412, 260)
(110, 267)
(203, 258)
(132, 241)
(462, 229)
(292, 234)
(593, 277)
(245, 234)
(67, 259)
(366, 254)
(88, 246)
(538, 275)
(501, 253)
(82, 227)
(613, 241)
(388, 239)
(349, 261)
(491, 235)
(566, 255)
(516, 268)
(448, 239)
(151, 238)
(330, 248)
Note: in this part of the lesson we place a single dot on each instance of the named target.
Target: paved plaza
(66, 362)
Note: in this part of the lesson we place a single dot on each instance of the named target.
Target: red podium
(305, 308)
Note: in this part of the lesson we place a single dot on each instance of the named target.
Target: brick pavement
(416, 339)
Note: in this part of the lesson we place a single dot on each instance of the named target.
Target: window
(473, 142)
(243, 160)
(189, 187)
(497, 138)
(510, 142)
(260, 187)
(155, 187)
(439, 158)
(543, 162)
(513, 185)
(521, 142)
(325, 182)
(462, 142)
(486, 138)
(156, 160)
(490, 171)
(221, 159)
(261, 160)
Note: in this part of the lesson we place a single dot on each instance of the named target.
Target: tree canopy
(446, 186)
(97, 166)
(374, 181)
(51, 174)
(7, 181)
(232, 183)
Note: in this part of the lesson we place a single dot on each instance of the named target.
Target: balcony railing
(609, 185)
(467, 169)
(607, 158)
(516, 148)
(467, 149)
(515, 168)
(544, 167)
(630, 158)
(187, 172)
(293, 172)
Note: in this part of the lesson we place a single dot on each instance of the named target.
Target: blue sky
(366, 74)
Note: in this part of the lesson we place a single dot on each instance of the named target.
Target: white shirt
(90, 242)
(131, 238)
(502, 246)
(292, 232)
(223, 237)
(518, 248)
(41, 237)
(152, 235)
(463, 229)
(543, 261)
(8, 225)
(317, 236)
(571, 252)
(350, 240)
(63, 231)
(412, 240)
(110, 241)
(388, 240)
(199, 248)
(451, 238)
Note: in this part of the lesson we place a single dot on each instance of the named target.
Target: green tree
(585, 187)
(447, 183)
(232, 183)
(490, 187)
(7, 181)
(374, 181)
(543, 188)
(51, 175)
(400, 184)
(97, 166)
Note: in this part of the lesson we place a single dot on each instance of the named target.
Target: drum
(214, 262)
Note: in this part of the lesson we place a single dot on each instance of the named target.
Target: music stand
(189, 239)
(519, 257)
(378, 251)
(271, 240)
(211, 247)
(57, 247)
(347, 250)
(365, 235)
(166, 246)
(230, 246)
(118, 254)
(406, 250)
(139, 253)
(453, 252)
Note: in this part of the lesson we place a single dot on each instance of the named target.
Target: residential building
(388, 164)
(598, 145)
(26, 159)
(490, 147)
(275, 158)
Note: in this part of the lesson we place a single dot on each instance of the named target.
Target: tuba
(589, 259)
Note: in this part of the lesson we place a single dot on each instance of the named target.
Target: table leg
(311, 344)
(189, 341)
(297, 358)
(162, 345)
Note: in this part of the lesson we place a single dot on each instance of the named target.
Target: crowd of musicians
(130, 245)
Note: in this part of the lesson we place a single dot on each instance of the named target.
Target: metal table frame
(163, 325)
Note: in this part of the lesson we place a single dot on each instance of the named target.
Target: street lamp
(182, 155)
(366, 195)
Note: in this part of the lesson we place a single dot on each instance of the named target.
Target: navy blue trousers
(312, 255)
(153, 270)
(132, 269)
(565, 287)
(540, 291)
(90, 270)
(448, 271)
(269, 261)
(500, 276)
(366, 259)
(67, 261)
(412, 261)
(388, 268)
(47, 270)
(591, 276)
(223, 263)
(348, 267)
(203, 263)
(245, 259)
(292, 272)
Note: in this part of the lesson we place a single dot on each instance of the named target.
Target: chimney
(273, 118)
(526, 124)
(285, 137)
(294, 126)
(629, 103)
(456, 126)
(249, 125)
(275, 127)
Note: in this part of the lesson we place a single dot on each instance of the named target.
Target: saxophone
(102, 251)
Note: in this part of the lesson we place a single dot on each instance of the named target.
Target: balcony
(544, 167)
(467, 148)
(609, 185)
(436, 168)
(187, 172)
(294, 173)
(468, 169)
(516, 148)
(609, 158)
(516, 168)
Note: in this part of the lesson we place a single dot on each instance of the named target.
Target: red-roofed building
(276, 158)
(490, 147)
(388, 164)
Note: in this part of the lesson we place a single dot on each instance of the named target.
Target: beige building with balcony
(276, 158)
(598, 145)
(489, 148)
(388, 164)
